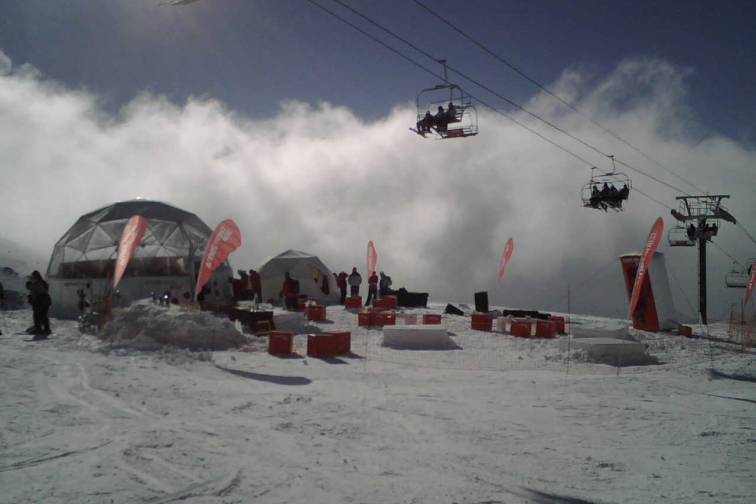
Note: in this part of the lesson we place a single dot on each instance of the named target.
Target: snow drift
(146, 326)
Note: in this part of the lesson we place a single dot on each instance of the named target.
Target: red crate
(301, 303)
(281, 343)
(382, 303)
(384, 318)
(390, 302)
(365, 318)
(343, 341)
(545, 329)
(560, 325)
(322, 345)
(432, 319)
(481, 322)
(520, 328)
(316, 312)
(353, 303)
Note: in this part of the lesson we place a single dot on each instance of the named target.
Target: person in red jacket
(341, 283)
(289, 292)
(372, 288)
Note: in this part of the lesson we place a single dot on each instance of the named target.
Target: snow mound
(146, 326)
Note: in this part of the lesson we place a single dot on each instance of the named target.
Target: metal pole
(569, 330)
(702, 270)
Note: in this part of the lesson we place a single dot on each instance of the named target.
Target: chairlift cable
(554, 95)
(745, 231)
(482, 102)
(431, 72)
(727, 254)
(504, 98)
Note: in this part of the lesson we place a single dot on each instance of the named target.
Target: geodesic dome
(89, 248)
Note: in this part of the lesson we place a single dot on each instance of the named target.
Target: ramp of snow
(417, 337)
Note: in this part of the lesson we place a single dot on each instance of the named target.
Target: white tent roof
(302, 266)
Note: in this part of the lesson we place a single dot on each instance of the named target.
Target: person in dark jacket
(384, 285)
(341, 283)
(372, 288)
(289, 292)
(256, 284)
(354, 280)
(39, 298)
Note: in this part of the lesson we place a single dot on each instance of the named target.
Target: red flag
(505, 257)
(654, 237)
(131, 237)
(225, 239)
(372, 258)
(751, 283)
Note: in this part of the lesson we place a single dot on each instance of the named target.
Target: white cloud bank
(317, 178)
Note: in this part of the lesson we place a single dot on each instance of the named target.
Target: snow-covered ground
(498, 419)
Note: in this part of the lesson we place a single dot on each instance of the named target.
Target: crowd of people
(608, 196)
(440, 121)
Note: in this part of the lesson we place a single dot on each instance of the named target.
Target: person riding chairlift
(426, 123)
(451, 113)
(441, 120)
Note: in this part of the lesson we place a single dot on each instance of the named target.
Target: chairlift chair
(677, 236)
(463, 123)
(620, 183)
(738, 277)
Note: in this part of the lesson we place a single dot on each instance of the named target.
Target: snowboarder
(341, 282)
(354, 281)
(372, 288)
(39, 298)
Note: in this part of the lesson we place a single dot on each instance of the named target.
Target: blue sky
(253, 54)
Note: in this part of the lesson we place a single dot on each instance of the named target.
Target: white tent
(314, 277)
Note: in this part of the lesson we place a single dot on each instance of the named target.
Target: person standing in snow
(354, 281)
(254, 280)
(39, 298)
(289, 292)
(384, 285)
(372, 288)
(341, 283)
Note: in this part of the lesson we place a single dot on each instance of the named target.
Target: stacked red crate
(432, 318)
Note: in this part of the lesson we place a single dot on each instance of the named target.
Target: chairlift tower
(695, 212)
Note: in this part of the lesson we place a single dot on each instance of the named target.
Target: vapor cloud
(315, 177)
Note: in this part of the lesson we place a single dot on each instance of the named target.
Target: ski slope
(498, 419)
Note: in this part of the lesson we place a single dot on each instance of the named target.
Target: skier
(354, 281)
(2, 301)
